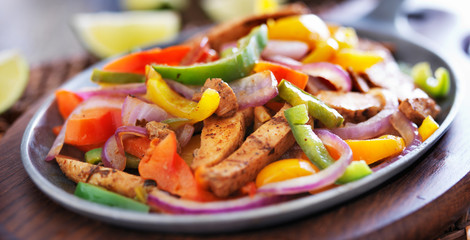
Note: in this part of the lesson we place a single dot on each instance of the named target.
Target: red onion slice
(405, 127)
(317, 180)
(184, 134)
(135, 109)
(113, 154)
(286, 61)
(118, 90)
(331, 72)
(292, 49)
(375, 125)
(90, 103)
(186, 91)
(170, 204)
(255, 90)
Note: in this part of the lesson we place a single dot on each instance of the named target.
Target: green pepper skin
(93, 156)
(100, 76)
(232, 67)
(316, 108)
(309, 142)
(132, 161)
(355, 171)
(102, 196)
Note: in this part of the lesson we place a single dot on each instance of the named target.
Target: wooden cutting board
(419, 203)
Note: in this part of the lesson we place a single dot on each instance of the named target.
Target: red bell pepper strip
(162, 164)
(297, 78)
(67, 101)
(136, 62)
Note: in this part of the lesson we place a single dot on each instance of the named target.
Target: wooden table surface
(419, 203)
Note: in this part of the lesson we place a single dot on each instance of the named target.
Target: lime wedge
(154, 4)
(221, 11)
(106, 34)
(14, 75)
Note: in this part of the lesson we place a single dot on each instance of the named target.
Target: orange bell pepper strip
(92, 126)
(297, 78)
(373, 150)
(67, 101)
(427, 128)
(136, 62)
(285, 169)
(162, 164)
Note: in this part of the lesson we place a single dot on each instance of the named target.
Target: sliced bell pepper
(136, 146)
(99, 76)
(358, 60)
(346, 37)
(308, 28)
(297, 78)
(324, 51)
(163, 165)
(92, 126)
(161, 94)
(102, 196)
(355, 171)
(309, 142)
(136, 62)
(235, 66)
(284, 169)
(316, 108)
(67, 101)
(93, 156)
(427, 128)
(437, 86)
(373, 150)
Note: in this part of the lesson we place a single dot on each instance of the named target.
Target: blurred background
(47, 42)
(43, 30)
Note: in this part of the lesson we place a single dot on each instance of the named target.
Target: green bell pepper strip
(355, 171)
(235, 66)
(93, 156)
(99, 76)
(102, 196)
(313, 147)
(316, 108)
(309, 142)
(437, 86)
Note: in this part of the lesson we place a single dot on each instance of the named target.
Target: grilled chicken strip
(262, 147)
(234, 30)
(220, 137)
(353, 106)
(111, 179)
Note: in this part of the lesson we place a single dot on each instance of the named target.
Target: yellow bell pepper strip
(309, 142)
(316, 108)
(373, 150)
(346, 37)
(308, 28)
(323, 52)
(285, 169)
(355, 171)
(437, 86)
(358, 60)
(102, 196)
(235, 66)
(99, 76)
(161, 94)
(427, 128)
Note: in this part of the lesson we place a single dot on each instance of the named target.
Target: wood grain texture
(419, 203)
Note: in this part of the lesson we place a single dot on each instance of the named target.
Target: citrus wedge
(221, 11)
(106, 34)
(14, 75)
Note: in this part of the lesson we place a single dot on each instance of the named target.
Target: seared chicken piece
(353, 106)
(111, 179)
(220, 137)
(262, 147)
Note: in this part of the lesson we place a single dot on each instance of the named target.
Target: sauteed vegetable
(235, 120)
